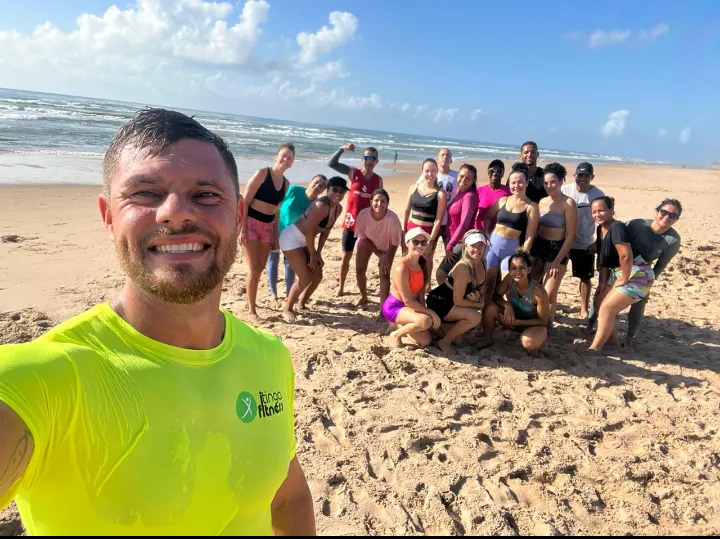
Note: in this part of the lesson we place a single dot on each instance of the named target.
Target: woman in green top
(297, 199)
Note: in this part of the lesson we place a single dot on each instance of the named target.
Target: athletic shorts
(641, 281)
(547, 250)
(391, 308)
(259, 231)
(446, 266)
(499, 251)
(291, 238)
(583, 264)
(348, 241)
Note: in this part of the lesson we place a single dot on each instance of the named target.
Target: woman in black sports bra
(517, 221)
(259, 234)
(459, 299)
(298, 245)
(424, 208)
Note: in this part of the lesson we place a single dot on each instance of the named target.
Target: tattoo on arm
(18, 461)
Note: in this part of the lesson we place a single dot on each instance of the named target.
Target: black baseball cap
(584, 168)
(497, 163)
(337, 181)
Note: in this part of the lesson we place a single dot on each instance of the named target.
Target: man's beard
(176, 283)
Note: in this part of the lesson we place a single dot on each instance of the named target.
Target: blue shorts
(499, 251)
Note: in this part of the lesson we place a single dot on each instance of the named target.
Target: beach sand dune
(409, 442)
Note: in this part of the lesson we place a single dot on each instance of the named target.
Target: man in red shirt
(363, 182)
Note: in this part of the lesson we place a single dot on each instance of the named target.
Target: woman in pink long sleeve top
(461, 217)
(489, 194)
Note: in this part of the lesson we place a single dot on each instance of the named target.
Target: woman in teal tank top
(521, 304)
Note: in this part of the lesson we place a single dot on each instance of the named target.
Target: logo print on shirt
(246, 407)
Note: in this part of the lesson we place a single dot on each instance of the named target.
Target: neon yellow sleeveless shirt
(133, 436)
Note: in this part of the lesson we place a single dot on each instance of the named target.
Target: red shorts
(259, 231)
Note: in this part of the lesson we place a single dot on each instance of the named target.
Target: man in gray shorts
(582, 253)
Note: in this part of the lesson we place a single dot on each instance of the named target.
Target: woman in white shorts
(297, 243)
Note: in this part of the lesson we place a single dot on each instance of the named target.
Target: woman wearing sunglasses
(424, 208)
(405, 307)
(297, 243)
(649, 240)
(655, 240)
(458, 300)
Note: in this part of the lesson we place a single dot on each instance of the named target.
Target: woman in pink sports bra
(405, 307)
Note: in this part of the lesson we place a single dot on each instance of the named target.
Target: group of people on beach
(507, 245)
(159, 413)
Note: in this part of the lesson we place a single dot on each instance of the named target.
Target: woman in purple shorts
(405, 307)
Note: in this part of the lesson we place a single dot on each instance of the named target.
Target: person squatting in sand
(405, 307)
(458, 301)
(519, 304)
(297, 243)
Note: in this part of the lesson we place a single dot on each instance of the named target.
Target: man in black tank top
(536, 175)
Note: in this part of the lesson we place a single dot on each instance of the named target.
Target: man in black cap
(582, 253)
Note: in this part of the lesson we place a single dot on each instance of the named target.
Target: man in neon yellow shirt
(157, 413)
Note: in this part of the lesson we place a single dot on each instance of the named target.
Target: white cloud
(662, 133)
(420, 110)
(654, 33)
(685, 135)
(474, 115)
(600, 38)
(617, 121)
(343, 26)
(443, 114)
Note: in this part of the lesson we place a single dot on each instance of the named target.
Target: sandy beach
(410, 442)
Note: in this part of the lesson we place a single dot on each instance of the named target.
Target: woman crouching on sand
(297, 243)
(519, 304)
(458, 300)
(405, 306)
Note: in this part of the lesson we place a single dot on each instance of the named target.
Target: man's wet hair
(156, 129)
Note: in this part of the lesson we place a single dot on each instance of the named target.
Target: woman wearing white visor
(458, 301)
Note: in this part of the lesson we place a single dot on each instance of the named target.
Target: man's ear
(106, 214)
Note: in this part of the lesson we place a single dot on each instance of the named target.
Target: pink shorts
(259, 231)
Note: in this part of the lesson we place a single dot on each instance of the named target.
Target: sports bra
(551, 219)
(427, 204)
(324, 223)
(268, 194)
(509, 219)
(469, 289)
(417, 280)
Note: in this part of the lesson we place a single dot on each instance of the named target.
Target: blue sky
(637, 79)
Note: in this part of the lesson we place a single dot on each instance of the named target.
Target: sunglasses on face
(584, 176)
(336, 190)
(370, 157)
(419, 243)
(496, 171)
(674, 216)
